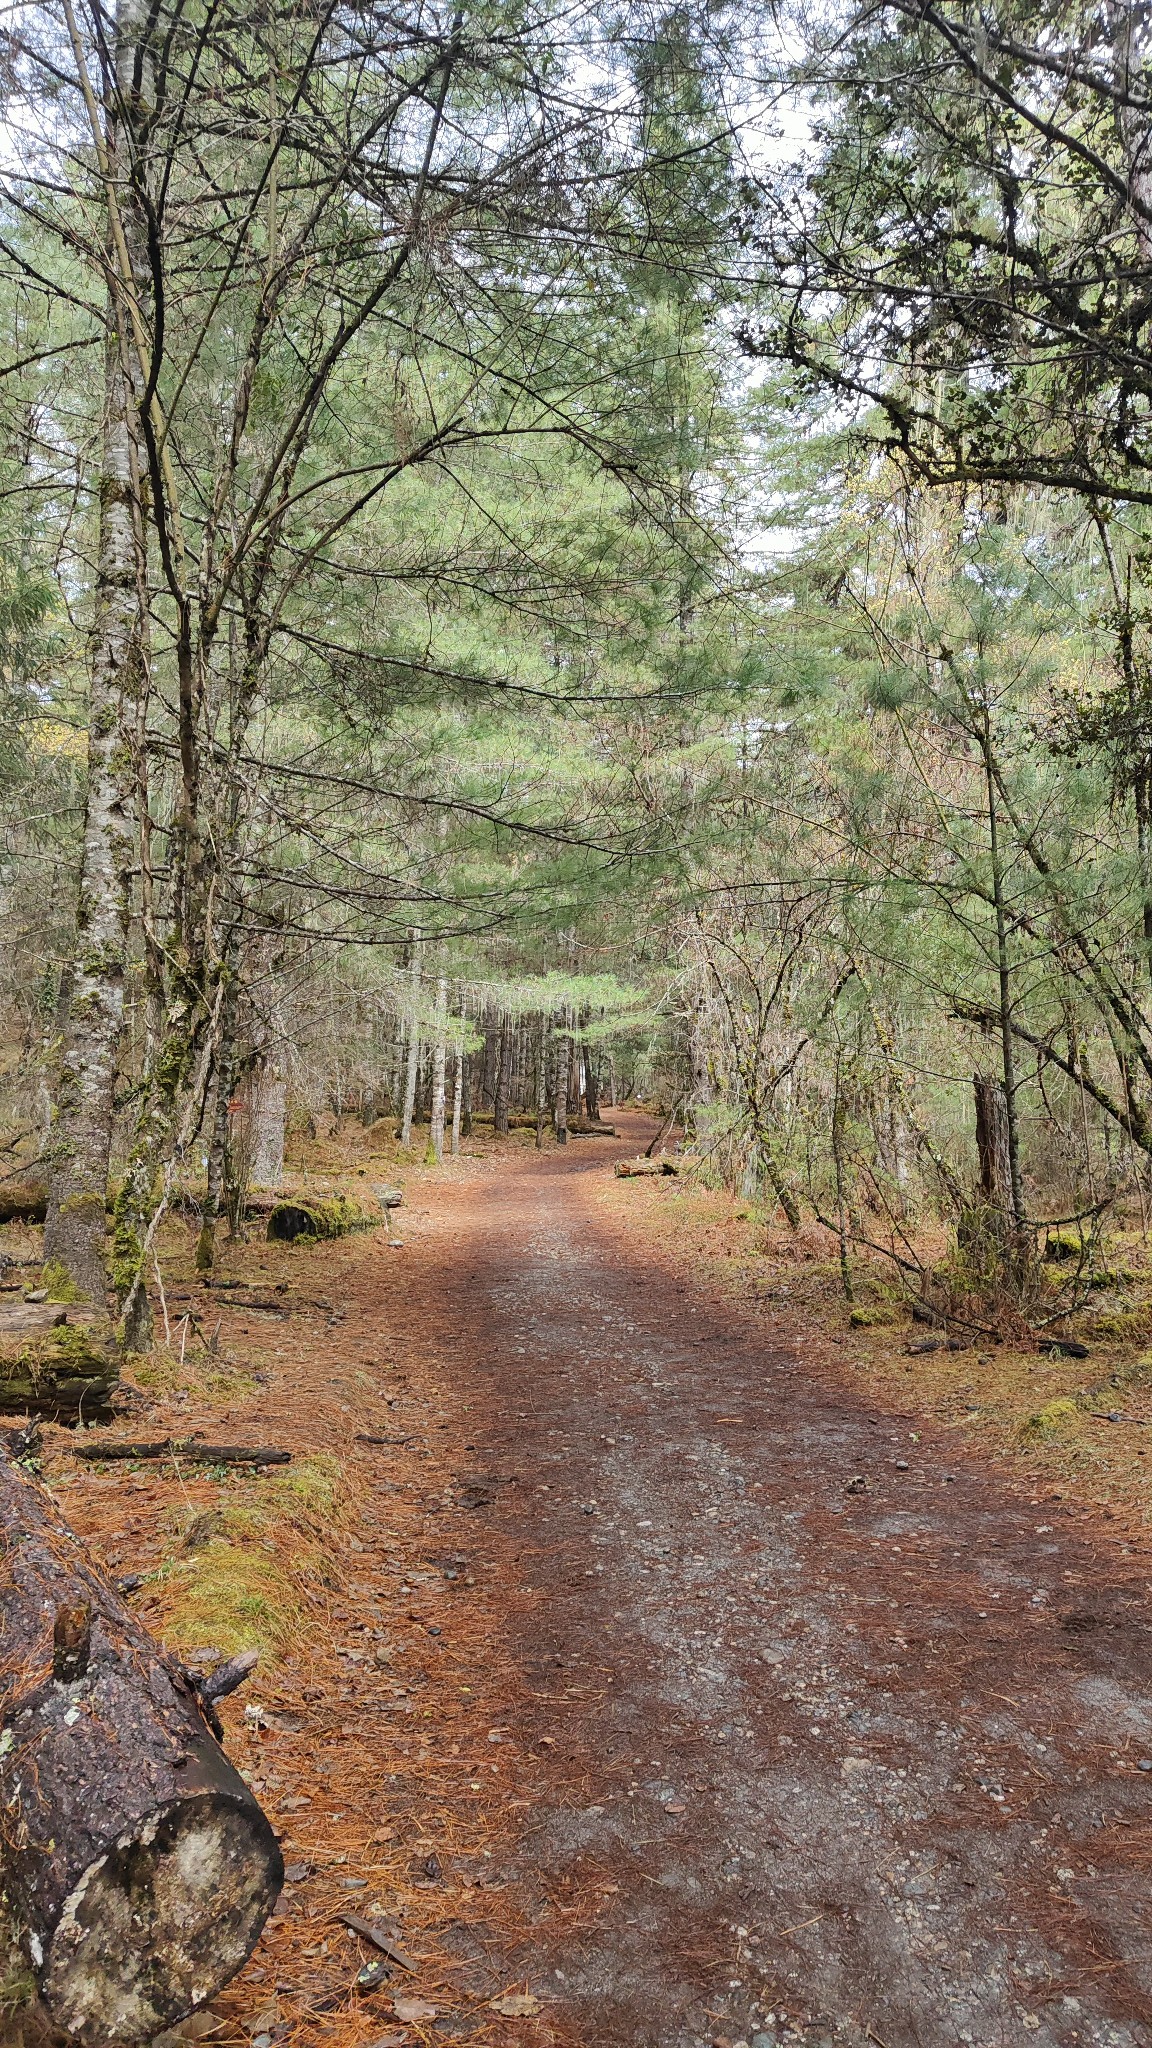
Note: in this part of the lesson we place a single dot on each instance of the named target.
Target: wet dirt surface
(825, 1732)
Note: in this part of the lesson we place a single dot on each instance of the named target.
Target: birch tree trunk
(81, 1136)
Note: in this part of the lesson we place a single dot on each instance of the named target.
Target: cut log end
(156, 1926)
(137, 1863)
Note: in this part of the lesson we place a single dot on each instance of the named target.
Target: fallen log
(591, 1130)
(53, 1363)
(182, 1447)
(632, 1169)
(138, 1864)
(23, 1201)
(319, 1216)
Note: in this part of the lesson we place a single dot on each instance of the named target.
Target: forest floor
(666, 1664)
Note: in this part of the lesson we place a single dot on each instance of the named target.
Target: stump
(54, 1362)
(136, 1860)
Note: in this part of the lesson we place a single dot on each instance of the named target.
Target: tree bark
(541, 1083)
(560, 1104)
(992, 1143)
(591, 1086)
(457, 1102)
(81, 1140)
(220, 1137)
(266, 1104)
(503, 1095)
(138, 1862)
(575, 1077)
(491, 1059)
(439, 1058)
(413, 1063)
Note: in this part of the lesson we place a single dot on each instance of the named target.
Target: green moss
(17, 1986)
(234, 1596)
(71, 1365)
(1050, 1421)
(250, 1584)
(59, 1284)
(1127, 1326)
(310, 1218)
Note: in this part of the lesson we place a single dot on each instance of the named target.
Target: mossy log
(23, 1201)
(52, 1363)
(138, 1864)
(635, 1169)
(316, 1216)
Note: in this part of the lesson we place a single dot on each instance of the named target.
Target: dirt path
(667, 1691)
(837, 1734)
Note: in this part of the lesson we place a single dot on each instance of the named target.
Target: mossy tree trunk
(84, 1107)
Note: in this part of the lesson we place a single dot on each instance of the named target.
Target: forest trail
(828, 1723)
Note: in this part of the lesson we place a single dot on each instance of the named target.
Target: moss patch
(1053, 1420)
(263, 1566)
(312, 1218)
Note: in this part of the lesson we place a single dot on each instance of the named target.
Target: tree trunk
(591, 1086)
(466, 1104)
(992, 1143)
(136, 1859)
(457, 1102)
(413, 1067)
(219, 1141)
(491, 1058)
(169, 1089)
(560, 1104)
(575, 1078)
(439, 1056)
(1004, 977)
(81, 1142)
(541, 1083)
(267, 1093)
(502, 1096)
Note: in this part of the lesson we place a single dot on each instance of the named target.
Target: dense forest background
(548, 558)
